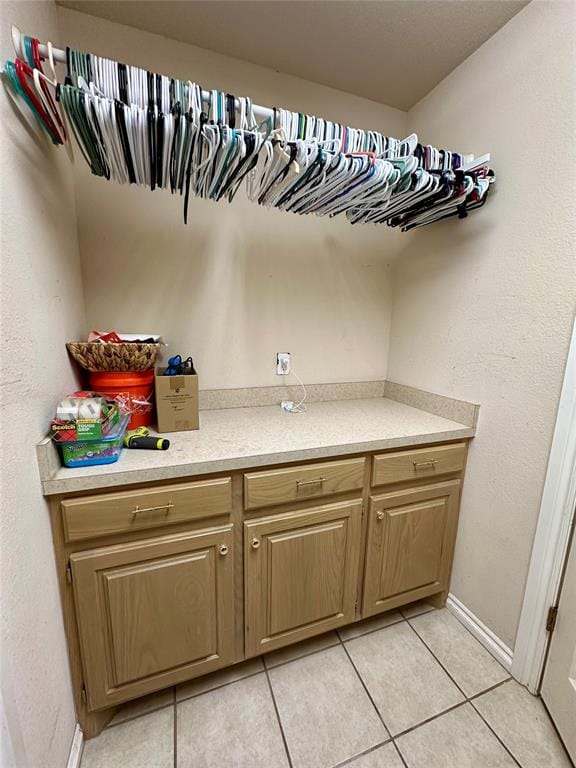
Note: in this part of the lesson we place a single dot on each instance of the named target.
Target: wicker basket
(96, 356)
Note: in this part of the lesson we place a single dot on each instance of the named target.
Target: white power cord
(289, 406)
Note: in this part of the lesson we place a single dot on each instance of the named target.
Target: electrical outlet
(283, 363)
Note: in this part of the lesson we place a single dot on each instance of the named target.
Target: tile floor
(408, 689)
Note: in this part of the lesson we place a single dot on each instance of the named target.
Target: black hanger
(176, 113)
(119, 108)
(159, 147)
(197, 137)
(231, 110)
(123, 82)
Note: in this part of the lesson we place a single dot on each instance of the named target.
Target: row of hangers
(135, 126)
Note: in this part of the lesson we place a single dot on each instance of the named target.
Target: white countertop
(235, 438)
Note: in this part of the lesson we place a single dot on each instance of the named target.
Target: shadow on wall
(238, 283)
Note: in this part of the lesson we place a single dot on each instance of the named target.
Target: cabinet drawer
(93, 516)
(422, 462)
(278, 486)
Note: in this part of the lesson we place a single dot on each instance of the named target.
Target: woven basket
(95, 356)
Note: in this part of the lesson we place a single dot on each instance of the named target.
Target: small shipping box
(176, 402)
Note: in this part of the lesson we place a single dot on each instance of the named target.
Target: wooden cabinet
(155, 612)
(411, 536)
(192, 576)
(301, 574)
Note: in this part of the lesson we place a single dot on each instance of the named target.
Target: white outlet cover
(283, 363)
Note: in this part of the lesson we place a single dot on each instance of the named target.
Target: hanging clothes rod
(131, 128)
(59, 55)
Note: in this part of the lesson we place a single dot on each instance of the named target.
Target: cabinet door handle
(223, 550)
(301, 483)
(429, 463)
(141, 510)
(255, 543)
(380, 515)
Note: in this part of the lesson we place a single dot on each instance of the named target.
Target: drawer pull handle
(255, 543)
(429, 463)
(141, 510)
(223, 550)
(300, 483)
(380, 515)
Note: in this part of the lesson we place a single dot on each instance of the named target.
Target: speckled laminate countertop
(236, 438)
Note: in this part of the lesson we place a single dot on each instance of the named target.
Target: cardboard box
(176, 402)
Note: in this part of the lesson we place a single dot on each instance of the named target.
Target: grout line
(468, 699)
(420, 613)
(304, 655)
(366, 688)
(492, 687)
(431, 652)
(452, 678)
(467, 628)
(560, 739)
(428, 720)
(400, 755)
(175, 705)
(136, 717)
(217, 687)
(487, 724)
(277, 714)
(368, 631)
(361, 754)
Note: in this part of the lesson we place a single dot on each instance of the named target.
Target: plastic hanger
(24, 71)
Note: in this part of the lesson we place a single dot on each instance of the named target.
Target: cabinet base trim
(76, 748)
(481, 632)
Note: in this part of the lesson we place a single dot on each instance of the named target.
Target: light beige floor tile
(146, 742)
(369, 625)
(301, 649)
(404, 679)
(143, 706)
(233, 726)
(383, 757)
(469, 663)
(325, 712)
(522, 723)
(458, 739)
(415, 609)
(219, 678)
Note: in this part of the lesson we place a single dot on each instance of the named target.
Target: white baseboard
(76, 749)
(481, 632)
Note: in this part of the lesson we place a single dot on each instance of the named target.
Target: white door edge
(552, 535)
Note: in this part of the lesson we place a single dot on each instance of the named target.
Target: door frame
(550, 547)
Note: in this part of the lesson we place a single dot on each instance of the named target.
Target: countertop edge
(53, 487)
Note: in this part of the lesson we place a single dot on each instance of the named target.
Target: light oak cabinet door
(153, 613)
(301, 574)
(411, 536)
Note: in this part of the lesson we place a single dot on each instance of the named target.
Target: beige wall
(483, 308)
(41, 307)
(239, 283)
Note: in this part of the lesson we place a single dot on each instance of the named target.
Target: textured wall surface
(239, 283)
(41, 307)
(483, 308)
